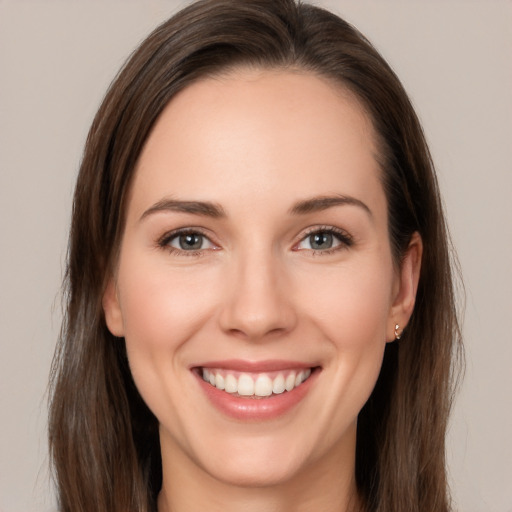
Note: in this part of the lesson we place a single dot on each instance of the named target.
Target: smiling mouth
(255, 385)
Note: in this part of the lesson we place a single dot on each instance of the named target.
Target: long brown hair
(103, 439)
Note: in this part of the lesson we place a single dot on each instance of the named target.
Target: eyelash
(342, 236)
(166, 239)
(346, 240)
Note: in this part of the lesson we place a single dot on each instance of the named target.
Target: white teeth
(231, 384)
(290, 382)
(261, 385)
(278, 385)
(219, 381)
(245, 385)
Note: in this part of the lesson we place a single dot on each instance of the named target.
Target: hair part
(103, 439)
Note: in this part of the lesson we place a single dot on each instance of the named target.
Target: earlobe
(405, 297)
(112, 310)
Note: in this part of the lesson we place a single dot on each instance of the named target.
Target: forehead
(259, 130)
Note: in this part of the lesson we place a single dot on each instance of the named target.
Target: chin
(254, 472)
(265, 459)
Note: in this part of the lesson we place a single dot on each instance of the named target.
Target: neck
(327, 485)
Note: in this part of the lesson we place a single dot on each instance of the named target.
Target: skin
(256, 142)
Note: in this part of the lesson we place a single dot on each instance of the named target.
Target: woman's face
(256, 255)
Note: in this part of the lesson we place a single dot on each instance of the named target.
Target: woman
(260, 304)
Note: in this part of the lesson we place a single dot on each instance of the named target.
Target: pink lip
(256, 409)
(256, 366)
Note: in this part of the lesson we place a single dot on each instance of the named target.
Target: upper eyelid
(341, 233)
(345, 239)
(164, 242)
(323, 227)
(329, 229)
(169, 235)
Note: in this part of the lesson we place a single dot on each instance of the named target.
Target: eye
(325, 240)
(187, 241)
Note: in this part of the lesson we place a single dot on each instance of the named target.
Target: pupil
(321, 241)
(190, 241)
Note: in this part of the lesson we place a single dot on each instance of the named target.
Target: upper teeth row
(260, 385)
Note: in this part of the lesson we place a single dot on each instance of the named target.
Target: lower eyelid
(343, 239)
(165, 241)
(175, 238)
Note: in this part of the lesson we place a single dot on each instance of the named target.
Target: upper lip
(268, 365)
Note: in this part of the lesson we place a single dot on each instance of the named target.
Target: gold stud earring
(398, 335)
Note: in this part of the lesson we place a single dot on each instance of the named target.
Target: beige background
(56, 59)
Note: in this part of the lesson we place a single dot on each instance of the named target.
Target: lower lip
(257, 409)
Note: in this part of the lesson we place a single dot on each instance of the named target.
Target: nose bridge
(257, 303)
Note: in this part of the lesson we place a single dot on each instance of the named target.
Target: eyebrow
(213, 210)
(204, 208)
(320, 203)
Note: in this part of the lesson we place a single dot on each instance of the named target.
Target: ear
(406, 287)
(112, 310)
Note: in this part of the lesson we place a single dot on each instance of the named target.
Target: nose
(259, 299)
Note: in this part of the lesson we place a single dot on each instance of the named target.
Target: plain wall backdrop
(56, 60)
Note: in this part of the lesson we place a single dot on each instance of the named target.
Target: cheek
(161, 308)
(351, 305)
(351, 312)
(162, 311)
